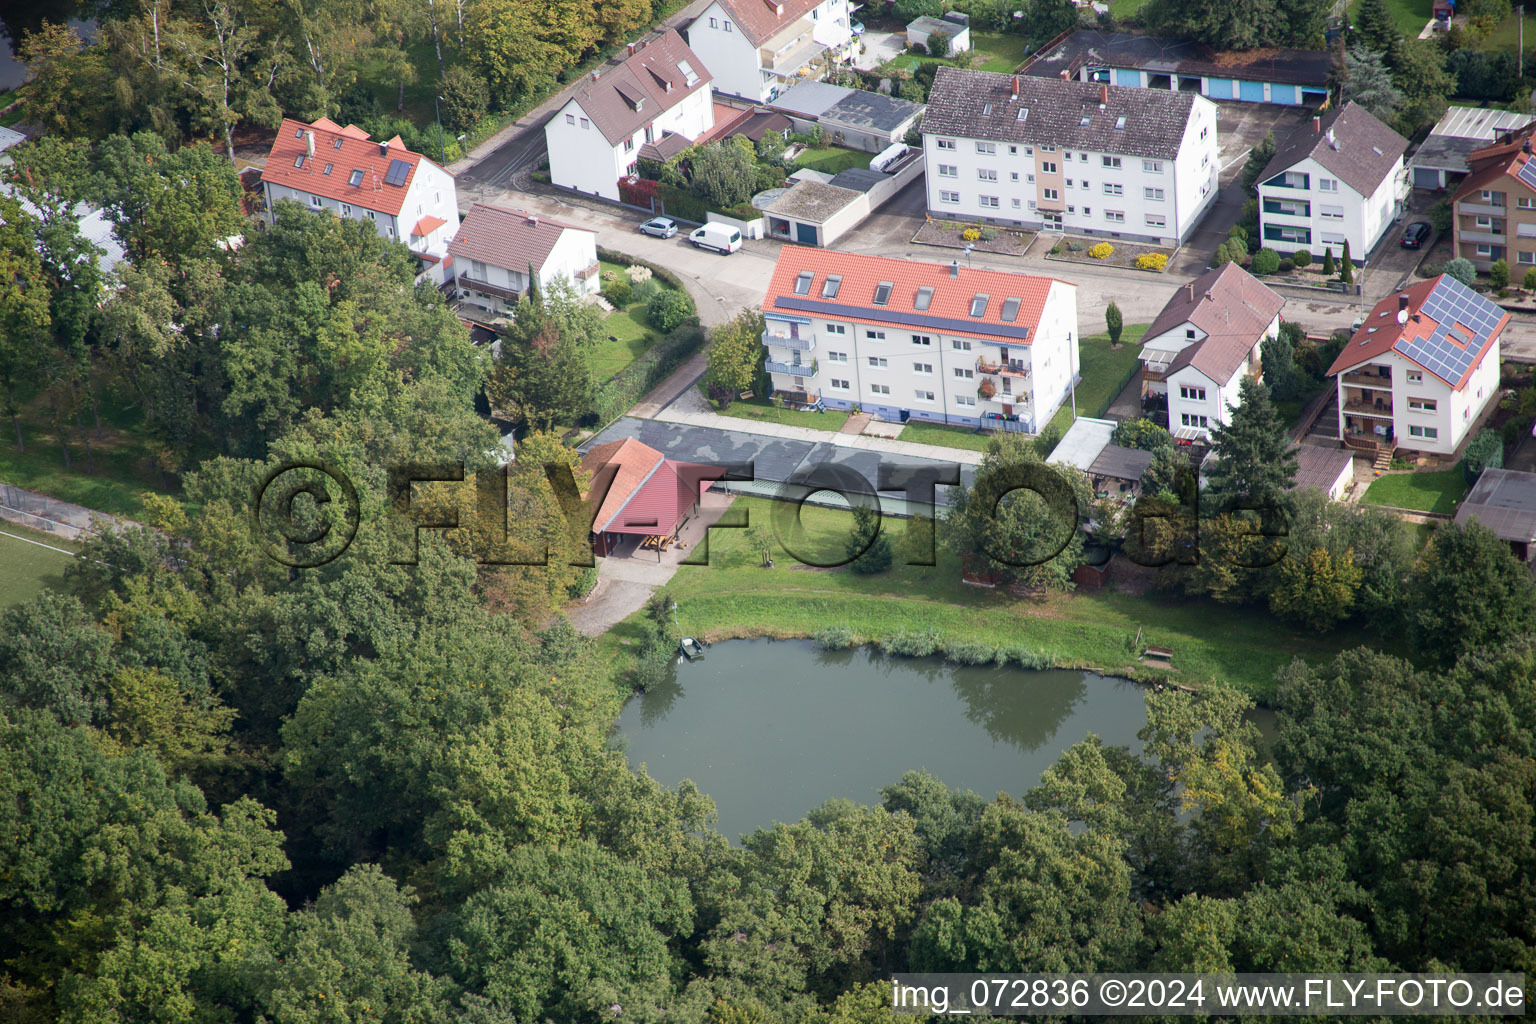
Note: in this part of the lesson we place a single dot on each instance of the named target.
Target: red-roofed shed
(649, 495)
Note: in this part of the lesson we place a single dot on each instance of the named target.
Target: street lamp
(968, 247)
(442, 154)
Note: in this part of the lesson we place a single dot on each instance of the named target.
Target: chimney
(309, 145)
(594, 76)
(1016, 88)
(1331, 140)
(1191, 287)
(1066, 76)
(1402, 301)
(1103, 95)
(630, 50)
(1525, 147)
(533, 220)
(1317, 124)
(954, 270)
(384, 148)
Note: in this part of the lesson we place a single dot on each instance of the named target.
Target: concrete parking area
(879, 48)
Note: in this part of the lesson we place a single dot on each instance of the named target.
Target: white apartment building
(1421, 370)
(906, 340)
(1338, 177)
(756, 49)
(1087, 159)
(659, 99)
(497, 249)
(327, 167)
(1203, 343)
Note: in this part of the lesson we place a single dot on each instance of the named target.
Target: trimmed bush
(834, 638)
(1265, 261)
(1529, 283)
(1286, 266)
(1462, 270)
(1301, 257)
(988, 234)
(668, 310)
(617, 291)
(911, 643)
(1152, 261)
(1498, 274)
(965, 653)
(1102, 251)
(1486, 451)
(970, 235)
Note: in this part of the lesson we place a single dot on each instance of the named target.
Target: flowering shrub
(637, 273)
(1152, 261)
(1102, 251)
(970, 234)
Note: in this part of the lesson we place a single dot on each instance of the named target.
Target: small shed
(1084, 440)
(1117, 471)
(1504, 500)
(1330, 470)
(955, 32)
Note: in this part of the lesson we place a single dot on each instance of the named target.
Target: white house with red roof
(1421, 370)
(655, 104)
(756, 49)
(907, 340)
(496, 250)
(324, 166)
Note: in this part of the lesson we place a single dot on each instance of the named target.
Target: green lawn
(1123, 9)
(1104, 373)
(1002, 52)
(30, 567)
(764, 411)
(1426, 492)
(831, 159)
(633, 336)
(732, 596)
(949, 437)
(1409, 15)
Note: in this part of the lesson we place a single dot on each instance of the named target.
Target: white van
(720, 237)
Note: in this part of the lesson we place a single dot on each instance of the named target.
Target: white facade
(580, 157)
(1195, 401)
(760, 73)
(898, 372)
(1423, 412)
(431, 193)
(1080, 192)
(574, 259)
(1309, 207)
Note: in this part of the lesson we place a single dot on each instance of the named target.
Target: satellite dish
(1402, 316)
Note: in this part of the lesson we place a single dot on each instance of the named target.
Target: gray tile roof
(1120, 462)
(1320, 467)
(872, 111)
(981, 105)
(812, 201)
(1363, 150)
(626, 98)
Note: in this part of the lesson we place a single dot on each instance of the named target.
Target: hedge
(626, 260)
(630, 384)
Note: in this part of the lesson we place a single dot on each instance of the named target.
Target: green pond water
(772, 728)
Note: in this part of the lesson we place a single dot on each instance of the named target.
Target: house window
(336, 144)
(356, 177)
(1189, 332)
(1152, 166)
(328, 169)
(585, 124)
(922, 339)
(1115, 216)
(1415, 376)
(964, 400)
(1527, 258)
(1485, 222)
(1327, 184)
(714, 23)
(298, 161)
(346, 211)
(1113, 190)
(1007, 385)
(1156, 220)
(921, 300)
(830, 286)
(874, 335)
(948, 171)
(837, 357)
(1331, 212)
(629, 145)
(1296, 236)
(1526, 203)
(1015, 202)
(949, 197)
(926, 369)
(839, 384)
(1071, 208)
(1190, 420)
(988, 201)
(879, 389)
(1069, 183)
(727, 26)
(1154, 194)
(1013, 175)
(962, 372)
(1110, 161)
(315, 201)
(803, 282)
(1192, 394)
(944, 143)
(1427, 433)
(984, 174)
(959, 344)
(1330, 238)
(883, 295)
(1485, 250)
(570, 119)
(1051, 193)
(979, 305)
(837, 328)
(878, 362)
(370, 214)
(1423, 404)
(923, 396)
(987, 148)
(1047, 167)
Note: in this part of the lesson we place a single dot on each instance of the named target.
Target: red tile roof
(650, 493)
(342, 151)
(1380, 333)
(635, 461)
(507, 238)
(949, 309)
(1488, 169)
(759, 20)
(426, 226)
(1232, 307)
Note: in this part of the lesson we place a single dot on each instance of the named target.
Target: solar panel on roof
(399, 170)
(1528, 173)
(1445, 351)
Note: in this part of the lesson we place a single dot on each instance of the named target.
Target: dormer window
(1120, 123)
(336, 144)
(298, 133)
(1083, 121)
(830, 286)
(356, 178)
(1011, 309)
(987, 109)
(328, 168)
(1022, 114)
(803, 282)
(883, 292)
(298, 161)
(979, 305)
(923, 299)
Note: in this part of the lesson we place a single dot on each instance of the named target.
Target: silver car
(660, 227)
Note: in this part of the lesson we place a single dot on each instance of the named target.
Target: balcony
(1359, 408)
(1467, 208)
(803, 343)
(1484, 235)
(486, 288)
(793, 369)
(1012, 368)
(588, 273)
(1361, 379)
(796, 397)
(1288, 208)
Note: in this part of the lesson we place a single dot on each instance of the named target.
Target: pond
(28, 17)
(772, 728)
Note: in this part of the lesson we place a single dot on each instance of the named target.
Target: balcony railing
(793, 369)
(797, 396)
(1367, 380)
(1012, 368)
(803, 343)
(485, 287)
(1368, 409)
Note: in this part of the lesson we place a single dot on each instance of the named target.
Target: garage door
(1125, 77)
(1425, 177)
(1251, 91)
(1219, 88)
(805, 234)
(1282, 94)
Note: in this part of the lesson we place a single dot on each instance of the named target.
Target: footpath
(50, 515)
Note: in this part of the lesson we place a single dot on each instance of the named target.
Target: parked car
(661, 227)
(720, 237)
(857, 28)
(1416, 234)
